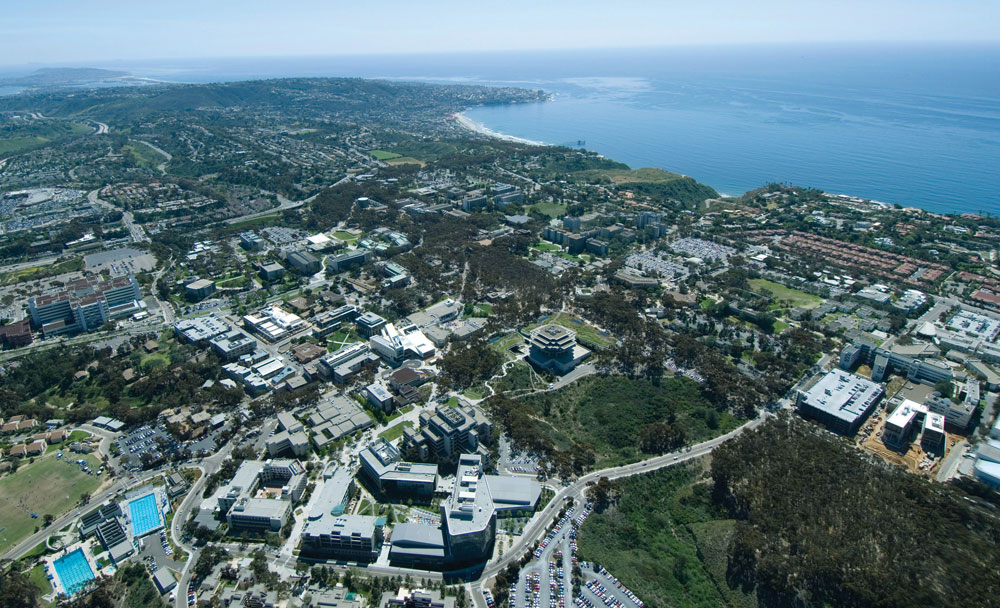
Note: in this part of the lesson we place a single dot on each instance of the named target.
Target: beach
(467, 123)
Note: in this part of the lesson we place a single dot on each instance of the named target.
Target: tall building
(85, 305)
(554, 347)
(448, 432)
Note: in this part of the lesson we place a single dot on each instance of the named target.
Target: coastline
(470, 125)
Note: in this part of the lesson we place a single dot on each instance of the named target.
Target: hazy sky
(54, 31)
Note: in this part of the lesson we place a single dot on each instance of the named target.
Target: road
(284, 204)
(123, 482)
(208, 466)
(541, 524)
(135, 230)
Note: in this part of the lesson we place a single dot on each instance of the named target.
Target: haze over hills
(56, 77)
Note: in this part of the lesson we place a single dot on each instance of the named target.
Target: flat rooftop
(842, 395)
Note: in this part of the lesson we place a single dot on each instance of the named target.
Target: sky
(52, 32)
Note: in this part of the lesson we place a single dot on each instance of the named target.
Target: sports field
(48, 486)
(786, 294)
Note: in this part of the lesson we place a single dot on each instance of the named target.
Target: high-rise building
(85, 305)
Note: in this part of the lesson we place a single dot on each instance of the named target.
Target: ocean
(911, 125)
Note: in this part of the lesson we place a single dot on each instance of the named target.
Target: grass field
(406, 160)
(345, 236)
(395, 432)
(630, 176)
(793, 297)
(264, 220)
(542, 246)
(40, 272)
(47, 486)
(383, 155)
(37, 578)
(32, 135)
(549, 209)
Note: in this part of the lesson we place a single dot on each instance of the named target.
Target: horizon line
(444, 53)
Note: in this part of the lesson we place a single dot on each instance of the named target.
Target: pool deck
(87, 546)
(162, 508)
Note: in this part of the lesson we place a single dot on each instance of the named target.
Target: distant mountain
(59, 77)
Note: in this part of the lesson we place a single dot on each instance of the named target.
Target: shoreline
(470, 125)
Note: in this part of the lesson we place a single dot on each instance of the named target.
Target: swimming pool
(145, 514)
(73, 571)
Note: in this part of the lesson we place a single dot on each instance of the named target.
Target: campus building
(468, 519)
(85, 305)
(902, 424)
(840, 401)
(330, 534)
(261, 494)
(390, 475)
(449, 431)
(554, 347)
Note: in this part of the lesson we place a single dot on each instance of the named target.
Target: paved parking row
(546, 582)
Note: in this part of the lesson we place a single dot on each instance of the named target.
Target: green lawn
(482, 310)
(543, 246)
(406, 160)
(383, 155)
(550, 209)
(49, 485)
(395, 432)
(345, 236)
(38, 578)
(793, 297)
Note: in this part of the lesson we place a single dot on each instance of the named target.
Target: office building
(260, 495)
(283, 443)
(449, 431)
(380, 397)
(395, 345)
(383, 466)
(328, 322)
(467, 530)
(597, 247)
(474, 201)
(902, 424)
(201, 330)
(85, 305)
(554, 347)
(250, 241)
(369, 324)
(571, 223)
(841, 401)
(349, 259)
(199, 290)
(417, 598)
(328, 533)
(337, 417)
(341, 364)
(271, 272)
(303, 262)
(959, 411)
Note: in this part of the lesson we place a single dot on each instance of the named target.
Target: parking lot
(547, 581)
(147, 439)
(514, 461)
